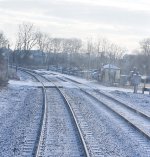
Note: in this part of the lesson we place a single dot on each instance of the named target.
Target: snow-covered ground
(113, 136)
(19, 104)
(61, 137)
(120, 138)
(90, 83)
(25, 77)
(139, 101)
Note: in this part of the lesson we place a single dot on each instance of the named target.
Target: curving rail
(136, 113)
(40, 139)
(108, 105)
(43, 119)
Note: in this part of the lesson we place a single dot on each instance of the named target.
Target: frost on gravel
(113, 139)
(139, 101)
(25, 77)
(61, 138)
(15, 113)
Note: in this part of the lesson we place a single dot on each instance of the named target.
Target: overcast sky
(124, 22)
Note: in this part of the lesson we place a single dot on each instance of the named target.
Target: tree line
(71, 52)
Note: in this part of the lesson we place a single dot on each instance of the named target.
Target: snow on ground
(117, 140)
(25, 80)
(17, 103)
(61, 138)
(141, 100)
(90, 83)
(25, 77)
(24, 83)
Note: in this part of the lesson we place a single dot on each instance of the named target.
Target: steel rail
(86, 152)
(111, 98)
(120, 115)
(43, 120)
(113, 110)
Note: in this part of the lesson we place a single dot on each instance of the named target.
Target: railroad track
(139, 120)
(40, 143)
(136, 118)
(89, 141)
(108, 96)
(31, 148)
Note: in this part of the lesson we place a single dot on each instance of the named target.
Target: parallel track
(121, 111)
(120, 108)
(41, 139)
(43, 121)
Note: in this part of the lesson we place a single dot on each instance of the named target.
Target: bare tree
(102, 46)
(76, 45)
(42, 40)
(26, 41)
(103, 51)
(145, 54)
(27, 37)
(48, 50)
(56, 42)
(3, 41)
(145, 46)
(42, 44)
(116, 53)
(76, 48)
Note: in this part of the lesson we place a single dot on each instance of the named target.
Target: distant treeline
(33, 47)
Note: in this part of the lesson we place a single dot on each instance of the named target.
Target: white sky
(124, 22)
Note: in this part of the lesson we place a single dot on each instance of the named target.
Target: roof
(111, 67)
